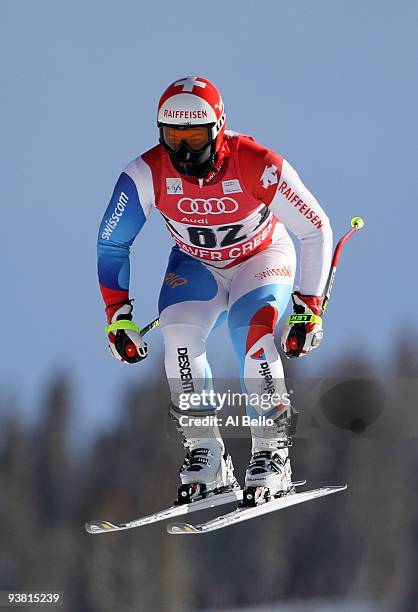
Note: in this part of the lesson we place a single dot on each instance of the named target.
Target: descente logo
(114, 219)
(185, 370)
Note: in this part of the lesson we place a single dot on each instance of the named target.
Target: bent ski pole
(357, 223)
(296, 337)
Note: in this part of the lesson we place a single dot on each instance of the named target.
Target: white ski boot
(207, 469)
(269, 473)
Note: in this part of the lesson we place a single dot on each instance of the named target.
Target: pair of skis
(238, 515)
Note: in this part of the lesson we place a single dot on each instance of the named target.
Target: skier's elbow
(110, 248)
(318, 233)
(325, 230)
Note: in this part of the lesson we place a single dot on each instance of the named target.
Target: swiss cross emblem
(269, 176)
(189, 83)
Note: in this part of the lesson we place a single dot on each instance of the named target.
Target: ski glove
(303, 330)
(125, 342)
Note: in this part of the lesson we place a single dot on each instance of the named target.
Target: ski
(211, 501)
(244, 514)
(216, 499)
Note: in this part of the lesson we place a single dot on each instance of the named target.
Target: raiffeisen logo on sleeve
(298, 203)
(114, 219)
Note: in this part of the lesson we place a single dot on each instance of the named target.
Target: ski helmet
(191, 120)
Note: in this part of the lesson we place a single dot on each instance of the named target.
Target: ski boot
(269, 474)
(207, 469)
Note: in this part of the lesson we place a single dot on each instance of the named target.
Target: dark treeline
(358, 544)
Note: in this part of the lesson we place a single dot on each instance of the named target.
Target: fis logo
(114, 219)
(174, 186)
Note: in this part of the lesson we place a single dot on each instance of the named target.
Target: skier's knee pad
(183, 336)
(186, 365)
(266, 316)
(254, 344)
(246, 331)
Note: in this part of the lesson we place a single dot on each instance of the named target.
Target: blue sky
(330, 85)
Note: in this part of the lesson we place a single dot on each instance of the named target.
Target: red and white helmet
(193, 101)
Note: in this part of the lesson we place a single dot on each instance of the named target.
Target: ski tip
(99, 526)
(299, 483)
(176, 528)
(335, 488)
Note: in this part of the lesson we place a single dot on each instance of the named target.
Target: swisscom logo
(114, 219)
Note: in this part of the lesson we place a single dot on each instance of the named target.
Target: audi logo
(211, 206)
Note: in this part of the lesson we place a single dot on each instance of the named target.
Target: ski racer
(227, 203)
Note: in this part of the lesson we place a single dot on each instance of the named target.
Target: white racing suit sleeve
(295, 206)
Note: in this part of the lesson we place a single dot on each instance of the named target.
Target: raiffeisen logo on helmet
(185, 114)
(114, 219)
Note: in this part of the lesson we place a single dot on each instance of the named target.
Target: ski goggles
(196, 137)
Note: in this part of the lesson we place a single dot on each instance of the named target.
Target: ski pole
(297, 335)
(357, 223)
(149, 327)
